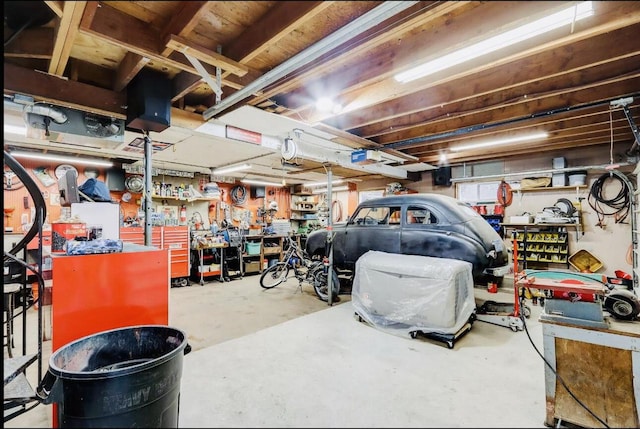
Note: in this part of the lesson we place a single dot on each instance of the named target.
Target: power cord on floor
(558, 377)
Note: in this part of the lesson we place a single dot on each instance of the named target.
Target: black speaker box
(115, 179)
(149, 102)
(442, 176)
(257, 191)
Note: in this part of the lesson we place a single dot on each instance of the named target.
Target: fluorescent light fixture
(527, 31)
(232, 168)
(534, 136)
(15, 129)
(260, 182)
(335, 182)
(60, 158)
(336, 189)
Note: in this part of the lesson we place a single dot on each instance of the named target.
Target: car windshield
(371, 216)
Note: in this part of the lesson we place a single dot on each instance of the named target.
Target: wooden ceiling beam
(55, 6)
(277, 23)
(576, 123)
(63, 92)
(464, 100)
(208, 56)
(183, 84)
(577, 96)
(400, 47)
(65, 35)
(184, 21)
(373, 90)
(551, 67)
(131, 34)
(359, 50)
(128, 68)
(31, 43)
(574, 133)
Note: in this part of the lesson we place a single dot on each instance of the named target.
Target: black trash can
(127, 377)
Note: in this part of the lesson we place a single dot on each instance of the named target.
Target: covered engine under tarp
(402, 294)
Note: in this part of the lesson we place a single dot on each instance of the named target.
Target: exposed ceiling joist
(208, 56)
(355, 27)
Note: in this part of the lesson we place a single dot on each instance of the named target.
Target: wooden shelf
(159, 197)
(552, 188)
(542, 225)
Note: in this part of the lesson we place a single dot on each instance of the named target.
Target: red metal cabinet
(173, 238)
(176, 239)
(93, 293)
(46, 241)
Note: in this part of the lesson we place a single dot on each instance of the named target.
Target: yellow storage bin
(585, 262)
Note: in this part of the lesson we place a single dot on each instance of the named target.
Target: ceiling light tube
(232, 168)
(60, 158)
(335, 182)
(336, 189)
(519, 34)
(260, 182)
(534, 136)
(15, 129)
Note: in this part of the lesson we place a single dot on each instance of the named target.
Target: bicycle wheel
(274, 275)
(320, 284)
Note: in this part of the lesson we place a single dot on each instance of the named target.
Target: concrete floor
(281, 358)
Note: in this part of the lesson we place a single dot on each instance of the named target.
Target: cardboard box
(252, 267)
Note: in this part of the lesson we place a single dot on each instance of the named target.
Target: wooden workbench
(600, 366)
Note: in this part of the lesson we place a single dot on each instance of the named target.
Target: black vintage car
(416, 224)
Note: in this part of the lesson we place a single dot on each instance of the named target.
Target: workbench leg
(222, 265)
(201, 267)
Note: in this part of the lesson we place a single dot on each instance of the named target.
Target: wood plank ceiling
(561, 82)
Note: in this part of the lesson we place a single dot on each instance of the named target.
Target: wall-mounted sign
(243, 135)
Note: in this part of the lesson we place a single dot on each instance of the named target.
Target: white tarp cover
(404, 293)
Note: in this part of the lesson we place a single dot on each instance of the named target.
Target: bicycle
(304, 268)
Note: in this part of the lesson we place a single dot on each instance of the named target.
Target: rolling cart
(233, 262)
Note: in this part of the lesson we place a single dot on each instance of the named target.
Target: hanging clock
(63, 168)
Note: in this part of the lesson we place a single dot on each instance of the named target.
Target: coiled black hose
(618, 206)
(238, 195)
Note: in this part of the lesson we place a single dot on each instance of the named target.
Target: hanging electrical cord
(618, 206)
(558, 377)
(238, 195)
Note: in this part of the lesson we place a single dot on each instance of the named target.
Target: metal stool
(10, 291)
